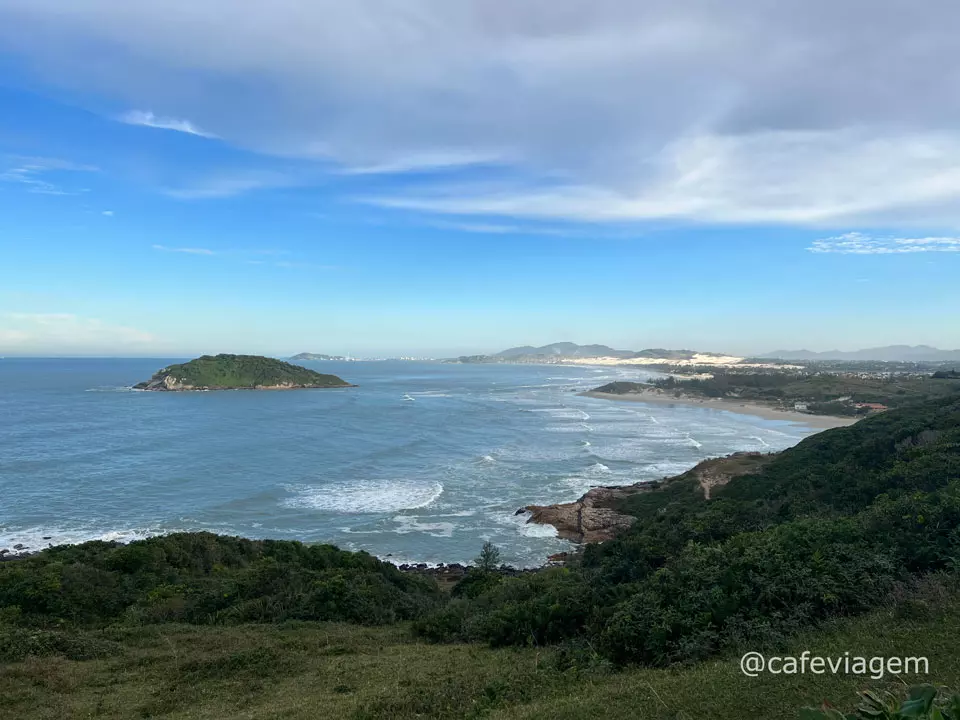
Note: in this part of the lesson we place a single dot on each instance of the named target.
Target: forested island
(849, 541)
(238, 372)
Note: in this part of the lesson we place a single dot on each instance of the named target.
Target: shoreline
(821, 422)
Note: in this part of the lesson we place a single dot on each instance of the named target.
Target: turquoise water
(422, 462)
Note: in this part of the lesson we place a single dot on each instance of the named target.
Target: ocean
(422, 462)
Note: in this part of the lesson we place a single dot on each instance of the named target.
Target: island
(238, 372)
(307, 356)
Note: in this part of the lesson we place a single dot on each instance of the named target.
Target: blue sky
(453, 181)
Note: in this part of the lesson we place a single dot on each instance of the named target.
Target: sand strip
(822, 422)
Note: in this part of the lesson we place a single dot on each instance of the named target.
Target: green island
(848, 542)
(236, 372)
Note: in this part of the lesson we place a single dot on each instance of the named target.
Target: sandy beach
(822, 422)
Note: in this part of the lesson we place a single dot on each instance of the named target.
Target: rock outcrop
(587, 520)
(593, 518)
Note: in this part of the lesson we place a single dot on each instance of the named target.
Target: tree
(489, 558)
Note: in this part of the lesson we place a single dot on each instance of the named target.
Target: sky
(437, 178)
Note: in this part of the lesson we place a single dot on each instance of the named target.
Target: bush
(204, 578)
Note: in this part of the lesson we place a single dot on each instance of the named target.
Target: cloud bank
(802, 111)
(69, 333)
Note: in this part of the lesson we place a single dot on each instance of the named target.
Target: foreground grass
(327, 670)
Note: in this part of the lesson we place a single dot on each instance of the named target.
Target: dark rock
(19, 546)
(521, 511)
(47, 537)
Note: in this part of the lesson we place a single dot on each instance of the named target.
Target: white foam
(598, 467)
(534, 530)
(37, 538)
(365, 496)
(411, 523)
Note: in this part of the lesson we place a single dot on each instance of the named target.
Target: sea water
(422, 462)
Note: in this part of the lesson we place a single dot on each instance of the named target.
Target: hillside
(231, 372)
(567, 352)
(563, 349)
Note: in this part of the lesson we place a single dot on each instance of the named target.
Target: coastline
(821, 422)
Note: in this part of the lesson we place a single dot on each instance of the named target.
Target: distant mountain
(564, 349)
(316, 356)
(889, 353)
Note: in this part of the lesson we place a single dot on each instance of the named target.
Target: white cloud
(855, 243)
(604, 111)
(67, 333)
(36, 174)
(148, 119)
(107, 213)
(187, 250)
(805, 178)
(224, 186)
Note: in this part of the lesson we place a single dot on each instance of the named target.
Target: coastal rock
(588, 520)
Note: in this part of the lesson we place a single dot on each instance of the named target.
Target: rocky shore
(594, 517)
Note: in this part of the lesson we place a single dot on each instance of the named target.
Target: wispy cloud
(224, 186)
(249, 256)
(502, 229)
(107, 213)
(37, 174)
(425, 162)
(148, 119)
(186, 250)
(855, 243)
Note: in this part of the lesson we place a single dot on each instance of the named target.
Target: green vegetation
(221, 372)
(946, 375)
(848, 542)
(207, 579)
(305, 670)
(922, 703)
(824, 388)
(623, 387)
(822, 393)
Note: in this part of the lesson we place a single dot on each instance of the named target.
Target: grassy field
(332, 670)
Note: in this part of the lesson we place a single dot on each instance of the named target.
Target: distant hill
(889, 353)
(568, 351)
(306, 357)
(565, 349)
(234, 372)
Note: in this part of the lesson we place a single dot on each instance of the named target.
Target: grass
(311, 670)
